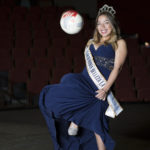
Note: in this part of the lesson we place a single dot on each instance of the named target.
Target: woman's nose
(102, 26)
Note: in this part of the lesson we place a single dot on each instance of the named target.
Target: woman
(75, 109)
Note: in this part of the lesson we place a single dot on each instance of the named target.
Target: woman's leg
(100, 143)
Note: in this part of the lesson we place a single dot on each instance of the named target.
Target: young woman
(75, 108)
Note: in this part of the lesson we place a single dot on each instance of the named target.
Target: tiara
(108, 9)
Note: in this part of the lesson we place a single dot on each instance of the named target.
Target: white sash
(114, 107)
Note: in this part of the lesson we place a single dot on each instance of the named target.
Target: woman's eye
(107, 22)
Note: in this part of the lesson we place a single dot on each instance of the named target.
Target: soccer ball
(71, 22)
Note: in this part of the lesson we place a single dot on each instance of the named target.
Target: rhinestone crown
(108, 9)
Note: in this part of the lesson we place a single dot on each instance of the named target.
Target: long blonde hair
(115, 34)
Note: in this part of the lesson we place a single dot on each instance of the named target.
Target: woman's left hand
(101, 94)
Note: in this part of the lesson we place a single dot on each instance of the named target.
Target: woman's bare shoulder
(90, 41)
(121, 42)
(121, 45)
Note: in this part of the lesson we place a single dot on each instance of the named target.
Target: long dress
(73, 99)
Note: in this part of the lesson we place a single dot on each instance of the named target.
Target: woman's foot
(73, 129)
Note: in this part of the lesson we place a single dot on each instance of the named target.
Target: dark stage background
(30, 58)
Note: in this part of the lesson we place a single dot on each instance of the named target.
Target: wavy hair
(115, 34)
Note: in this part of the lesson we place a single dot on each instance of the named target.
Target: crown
(108, 9)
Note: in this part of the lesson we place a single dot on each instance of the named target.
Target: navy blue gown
(73, 99)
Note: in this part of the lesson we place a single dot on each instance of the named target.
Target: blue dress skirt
(73, 99)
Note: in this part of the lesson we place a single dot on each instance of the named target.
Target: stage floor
(26, 129)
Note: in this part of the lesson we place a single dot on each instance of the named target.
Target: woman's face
(104, 26)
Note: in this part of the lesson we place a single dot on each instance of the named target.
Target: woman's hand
(101, 94)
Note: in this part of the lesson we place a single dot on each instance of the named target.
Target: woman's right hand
(101, 94)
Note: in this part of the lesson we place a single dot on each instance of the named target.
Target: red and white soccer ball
(71, 22)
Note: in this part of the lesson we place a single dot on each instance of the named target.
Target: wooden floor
(26, 129)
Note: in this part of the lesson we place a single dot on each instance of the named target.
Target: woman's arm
(120, 56)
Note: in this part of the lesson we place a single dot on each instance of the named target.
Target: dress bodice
(104, 57)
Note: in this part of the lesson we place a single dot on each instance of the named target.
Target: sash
(114, 108)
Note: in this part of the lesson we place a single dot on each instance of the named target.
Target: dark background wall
(132, 15)
(84, 6)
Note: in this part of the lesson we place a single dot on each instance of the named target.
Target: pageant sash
(114, 108)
